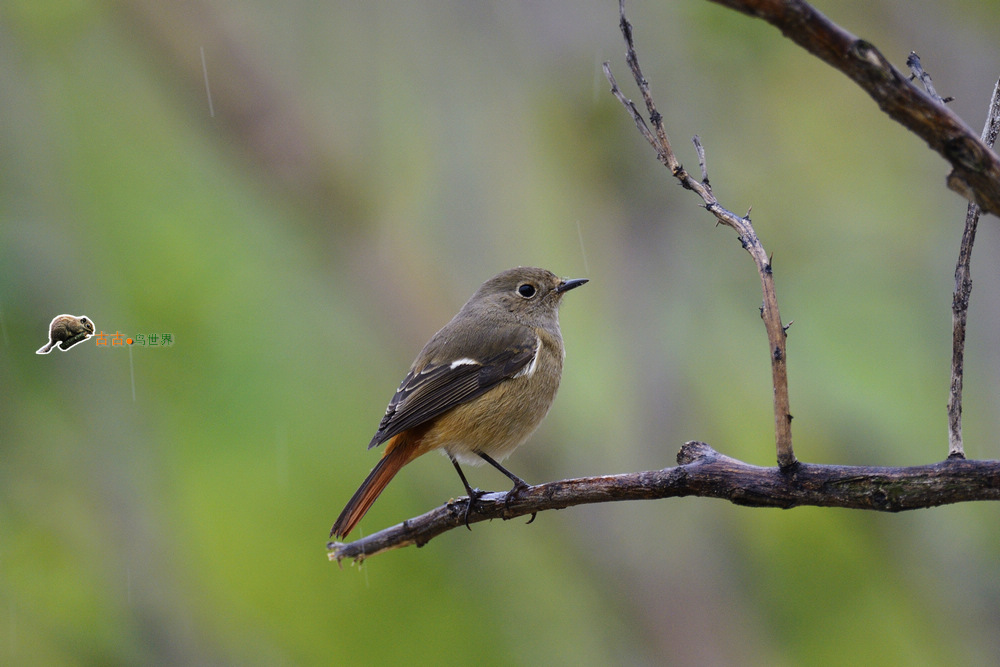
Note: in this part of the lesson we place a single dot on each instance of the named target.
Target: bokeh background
(356, 171)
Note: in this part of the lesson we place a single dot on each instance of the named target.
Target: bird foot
(474, 496)
(519, 487)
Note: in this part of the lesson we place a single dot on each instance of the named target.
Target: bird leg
(519, 484)
(474, 494)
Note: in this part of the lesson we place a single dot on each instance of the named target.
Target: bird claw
(512, 495)
(474, 496)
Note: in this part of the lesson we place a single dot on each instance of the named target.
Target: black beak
(569, 284)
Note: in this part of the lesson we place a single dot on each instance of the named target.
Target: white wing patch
(464, 361)
(529, 370)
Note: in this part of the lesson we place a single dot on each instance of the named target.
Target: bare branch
(776, 333)
(962, 294)
(975, 167)
(703, 472)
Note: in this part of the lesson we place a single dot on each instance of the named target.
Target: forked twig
(975, 167)
(657, 138)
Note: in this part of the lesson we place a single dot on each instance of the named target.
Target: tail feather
(398, 453)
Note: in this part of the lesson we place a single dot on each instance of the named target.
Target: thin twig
(913, 62)
(657, 138)
(962, 294)
(702, 162)
(975, 167)
(704, 472)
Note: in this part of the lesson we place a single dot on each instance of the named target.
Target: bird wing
(440, 385)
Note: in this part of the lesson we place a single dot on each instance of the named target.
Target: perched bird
(67, 331)
(478, 389)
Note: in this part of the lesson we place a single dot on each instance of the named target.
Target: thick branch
(658, 139)
(976, 168)
(704, 472)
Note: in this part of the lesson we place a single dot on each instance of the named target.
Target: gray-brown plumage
(66, 331)
(478, 389)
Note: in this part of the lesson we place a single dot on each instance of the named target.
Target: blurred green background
(359, 169)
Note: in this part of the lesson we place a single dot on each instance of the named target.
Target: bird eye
(527, 290)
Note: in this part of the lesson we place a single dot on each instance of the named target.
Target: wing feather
(439, 386)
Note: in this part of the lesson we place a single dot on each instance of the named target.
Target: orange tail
(398, 452)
